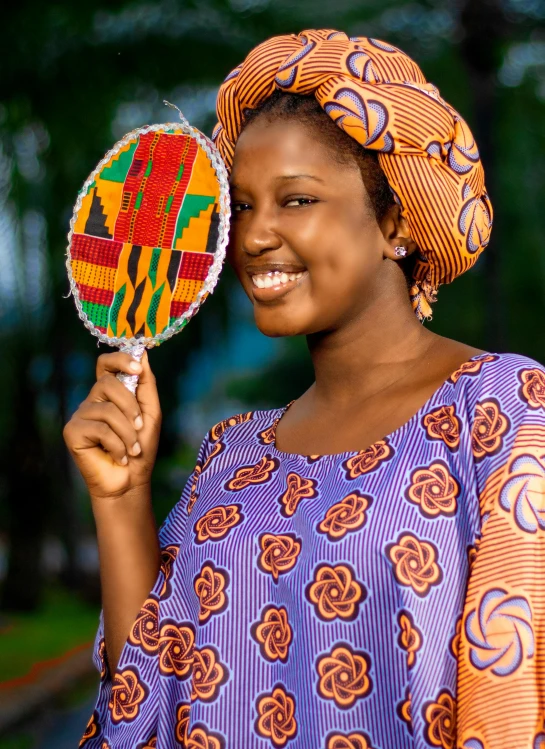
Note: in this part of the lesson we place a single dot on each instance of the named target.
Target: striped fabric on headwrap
(379, 96)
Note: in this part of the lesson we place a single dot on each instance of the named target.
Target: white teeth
(274, 278)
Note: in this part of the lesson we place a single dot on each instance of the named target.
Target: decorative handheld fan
(148, 236)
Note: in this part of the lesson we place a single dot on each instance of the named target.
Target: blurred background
(75, 77)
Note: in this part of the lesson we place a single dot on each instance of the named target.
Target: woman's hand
(113, 436)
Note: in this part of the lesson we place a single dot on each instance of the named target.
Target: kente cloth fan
(148, 236)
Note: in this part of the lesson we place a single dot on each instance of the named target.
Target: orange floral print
(347, 515)
(500, 632)
(145, 630)
(176, 648)
(471, 368)
(368, 460)
(343, 676)
(168, 555)
(268, 436)
(216, 450)
(488, 429)
(279, 553)
(217, 523)
(276, 716)
(273, 633)
(414, 563)
(335, 592)
(91, 730)
(183, 717)
(127, 694)
(532, 388)
(208, 674)
(103, 658)
(454, 644)
(471, 554)
(352, 741)
(200, 739)
(218, 430)
(404, 710)
(298, 488)
(410, 637)
(210, 587)
(539, 738)
(193, 496)
(434, 490)
(443, 424)
(440, 717)
(258, 474)
(105, 745)
(151, 743)
(522, 491)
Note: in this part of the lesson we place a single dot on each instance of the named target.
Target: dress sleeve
(501, 648)
(170, 534)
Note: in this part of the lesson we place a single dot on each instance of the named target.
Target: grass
(62, 623)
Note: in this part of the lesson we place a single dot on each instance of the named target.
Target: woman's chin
(274, 331)
(276, 326)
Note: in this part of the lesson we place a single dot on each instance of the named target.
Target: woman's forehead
(287, 148)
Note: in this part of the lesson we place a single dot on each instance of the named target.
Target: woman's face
(305, 242)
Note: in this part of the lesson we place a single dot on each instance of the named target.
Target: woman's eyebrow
(299, 176)
(283, 178)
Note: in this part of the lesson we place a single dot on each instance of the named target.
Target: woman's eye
(294, 202)
(239, 207)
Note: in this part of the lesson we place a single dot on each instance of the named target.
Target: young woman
(363, 567)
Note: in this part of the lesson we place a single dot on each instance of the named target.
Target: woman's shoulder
(505, 378)
(498, 368)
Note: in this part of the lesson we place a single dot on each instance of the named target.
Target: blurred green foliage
(63, 623)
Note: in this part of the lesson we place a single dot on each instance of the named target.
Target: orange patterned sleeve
(501, 651)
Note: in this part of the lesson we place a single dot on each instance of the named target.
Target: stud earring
(400, 251)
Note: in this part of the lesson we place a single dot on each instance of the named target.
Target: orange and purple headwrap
(379, 96)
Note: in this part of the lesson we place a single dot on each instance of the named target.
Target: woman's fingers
(117, 362)
(146, 392)
(82, 434)
(109, 388)
(111, 415)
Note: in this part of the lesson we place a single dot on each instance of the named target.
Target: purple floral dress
(378, 599)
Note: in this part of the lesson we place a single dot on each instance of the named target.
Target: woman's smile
(271, 282)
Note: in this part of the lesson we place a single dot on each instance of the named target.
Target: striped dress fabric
(389, 598)
(380, 97)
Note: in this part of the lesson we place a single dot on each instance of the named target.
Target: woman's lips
(267, 287)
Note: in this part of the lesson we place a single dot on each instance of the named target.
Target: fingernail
(136, 449)
(138, 423)
(135, 366)
(124, 460)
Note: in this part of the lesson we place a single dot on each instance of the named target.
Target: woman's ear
(397, 236)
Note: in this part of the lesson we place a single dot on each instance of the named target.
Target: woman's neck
(370, 349)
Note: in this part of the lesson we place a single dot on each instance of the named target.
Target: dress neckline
(280, 454)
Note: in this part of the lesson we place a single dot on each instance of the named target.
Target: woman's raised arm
(113, 438)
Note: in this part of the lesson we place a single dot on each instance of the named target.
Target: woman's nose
(260, 236)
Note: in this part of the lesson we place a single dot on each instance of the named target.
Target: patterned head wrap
(379, 96)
